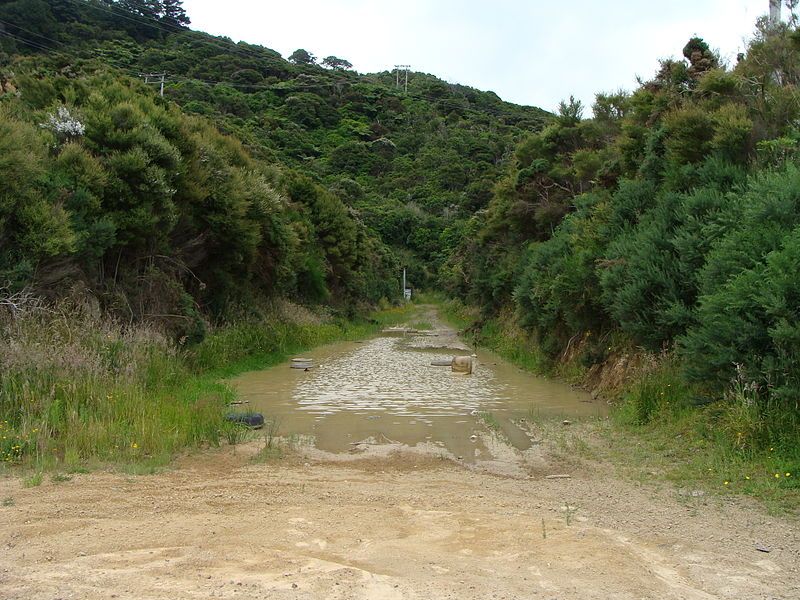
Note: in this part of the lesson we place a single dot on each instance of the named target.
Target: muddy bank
(383, 518)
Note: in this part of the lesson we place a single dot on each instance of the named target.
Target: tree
(336, 63)
(700, 57)
(173, 13)
(149, 9)
(26, 17)
(570, 113)
(302, 57)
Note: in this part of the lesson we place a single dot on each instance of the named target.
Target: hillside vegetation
(657, 240)
(410, 166)
(139, 232)
(661, 237)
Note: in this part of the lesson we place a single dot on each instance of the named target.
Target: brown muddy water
(385, 391)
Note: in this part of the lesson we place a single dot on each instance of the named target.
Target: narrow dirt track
(402, 526)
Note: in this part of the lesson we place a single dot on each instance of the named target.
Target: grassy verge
(657, 430)
(77, 392)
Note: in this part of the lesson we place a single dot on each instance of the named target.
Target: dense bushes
(749, 307)
(161, 215)
(671, 218)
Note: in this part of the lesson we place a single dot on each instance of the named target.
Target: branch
(19, 303)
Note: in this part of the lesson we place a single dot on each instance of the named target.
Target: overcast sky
(527, 51)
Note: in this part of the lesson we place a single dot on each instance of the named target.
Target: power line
(39, 46)
(15, 26)
(24, 41)
(168, 28)
(236, 49)
(451, 102)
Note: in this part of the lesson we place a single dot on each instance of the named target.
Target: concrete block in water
(463, 364)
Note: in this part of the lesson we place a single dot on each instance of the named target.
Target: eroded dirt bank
(397, 526)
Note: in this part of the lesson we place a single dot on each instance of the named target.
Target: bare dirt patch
(393, 526)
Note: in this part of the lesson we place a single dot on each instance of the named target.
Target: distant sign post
(406, 289)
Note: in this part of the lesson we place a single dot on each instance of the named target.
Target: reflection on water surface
(386, 389)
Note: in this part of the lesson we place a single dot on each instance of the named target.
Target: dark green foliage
(439, 147)
(558, 290)
(161, 215)
(670, 217)
(302, 57)
(749, 311)
(336, 63)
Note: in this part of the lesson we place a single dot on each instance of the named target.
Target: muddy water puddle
(385, 391)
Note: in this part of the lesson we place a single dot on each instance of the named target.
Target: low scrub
(76, 389)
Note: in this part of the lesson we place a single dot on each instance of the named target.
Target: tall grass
(76, 390)
(737, 443)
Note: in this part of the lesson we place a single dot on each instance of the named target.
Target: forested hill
(402, 170)
(668, 223)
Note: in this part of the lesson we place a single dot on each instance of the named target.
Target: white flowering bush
(63, 124)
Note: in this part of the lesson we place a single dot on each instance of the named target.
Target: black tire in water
(253, 419)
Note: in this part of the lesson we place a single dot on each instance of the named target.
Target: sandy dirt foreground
(390, 527)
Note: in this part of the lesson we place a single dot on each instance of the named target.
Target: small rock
(294, 586)
(566, 422)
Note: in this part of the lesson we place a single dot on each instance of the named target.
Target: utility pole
(155, 78)
(397, 69)
(774, 12)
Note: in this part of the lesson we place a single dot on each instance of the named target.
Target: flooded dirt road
(385, 391)
(535, 518)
